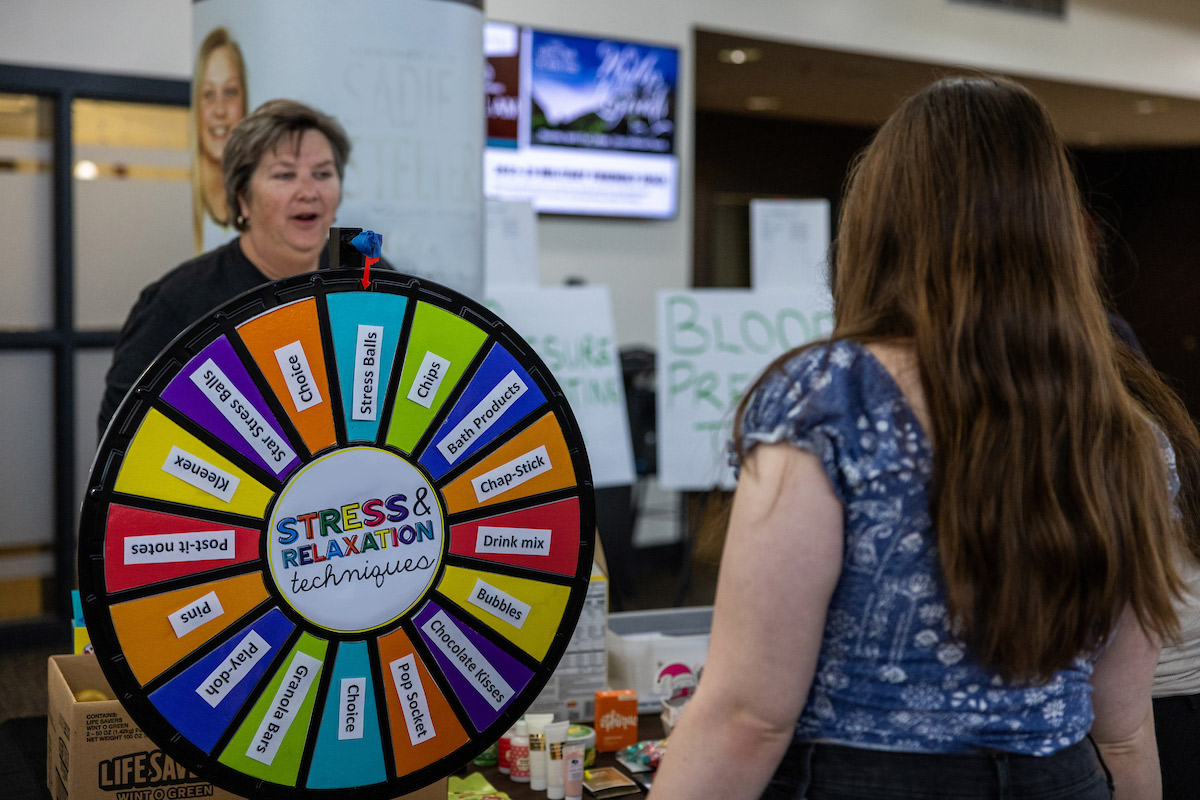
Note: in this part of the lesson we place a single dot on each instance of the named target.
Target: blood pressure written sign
(712, 344)
(337, 539)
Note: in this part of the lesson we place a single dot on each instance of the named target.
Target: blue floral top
(890, 674)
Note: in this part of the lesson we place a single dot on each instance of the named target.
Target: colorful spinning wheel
(336, 540)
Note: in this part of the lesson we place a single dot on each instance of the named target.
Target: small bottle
(518, 754)
(503, 750)
(573, 754)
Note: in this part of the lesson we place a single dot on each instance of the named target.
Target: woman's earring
(241, 221)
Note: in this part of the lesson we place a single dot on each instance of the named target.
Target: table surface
(23, 761)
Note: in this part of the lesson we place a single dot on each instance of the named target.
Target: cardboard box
(96, 752)
(616, 719)
(584, 666)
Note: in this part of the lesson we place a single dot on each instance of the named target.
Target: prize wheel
(336, 539)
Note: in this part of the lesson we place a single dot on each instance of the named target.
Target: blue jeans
(812, 771)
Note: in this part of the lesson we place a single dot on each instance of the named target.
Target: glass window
(26, 212)
(26, 483)
(90, 367)
(132, 203)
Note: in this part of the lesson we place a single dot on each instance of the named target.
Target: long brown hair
(962, 232)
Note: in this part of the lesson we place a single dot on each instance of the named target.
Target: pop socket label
(356, 540)
(417, 718)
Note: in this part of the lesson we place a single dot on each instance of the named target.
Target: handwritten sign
(789, 240)
(571, 328)
(712, 344)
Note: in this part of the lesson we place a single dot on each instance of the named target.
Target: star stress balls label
(356, 539)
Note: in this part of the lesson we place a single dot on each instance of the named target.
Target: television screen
(579, 125)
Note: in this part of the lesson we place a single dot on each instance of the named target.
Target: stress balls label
(356, 539)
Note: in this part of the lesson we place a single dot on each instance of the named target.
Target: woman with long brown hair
(950, 556)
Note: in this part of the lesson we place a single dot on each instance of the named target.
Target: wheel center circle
(356, 539)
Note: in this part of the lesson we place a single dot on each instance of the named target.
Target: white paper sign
(572, 329)
(484, 415)
(417, 718)
(789, 243)
(297, 680)
(429, 379)
(513, 541)
(171, 548)
(350, 709)
(510, 245)
(512, 474)
(366, 372)
(457, 647)
(238, 411)
(204, 476)
(195, 614)
(499, 603)
(712, 344)
(298, 375)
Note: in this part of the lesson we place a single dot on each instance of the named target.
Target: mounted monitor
(580, 125)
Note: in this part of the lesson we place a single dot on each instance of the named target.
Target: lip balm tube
(537, 749)
(519, 753)
(573, 754)
(556, 736)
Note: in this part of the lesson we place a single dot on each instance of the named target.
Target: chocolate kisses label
(356, 539)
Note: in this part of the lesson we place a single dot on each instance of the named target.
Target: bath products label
(350, 710)
(229, 673)
(366, 373)
(499, 604)
(412, 700)
(513, 541)
(169, 548)
(485, 413)
(299, 678)
(238, 411)
(511, 475)
(201, 474)
(298, 376)
(195, 614)
(429, 379)
(454, 644)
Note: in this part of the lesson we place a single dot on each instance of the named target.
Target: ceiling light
(86, 170)
(760, 103)
(739, 55)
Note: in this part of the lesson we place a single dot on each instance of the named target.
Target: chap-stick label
(301, 673)
(412, 700)
(298, 376)
(485, 413)
(429, 379)
(366, 373)
(201, 474)
(229, 673)
(513, 541)
(499, 604)
(170, 548)
(195, 614)
(350, 710)
(511, 475)
(454, 644)
(241, 414)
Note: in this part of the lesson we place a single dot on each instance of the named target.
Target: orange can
(616, 719)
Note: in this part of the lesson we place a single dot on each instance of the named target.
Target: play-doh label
(512, 474)
(480, 418)
(413, 700)
(298, 375)
(356, 539)
(197, 472)
(252, 649)
(171, 548)
(250, 424)
(429, 379)
(366, 373)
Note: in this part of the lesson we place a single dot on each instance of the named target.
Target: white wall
(1151, 45)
